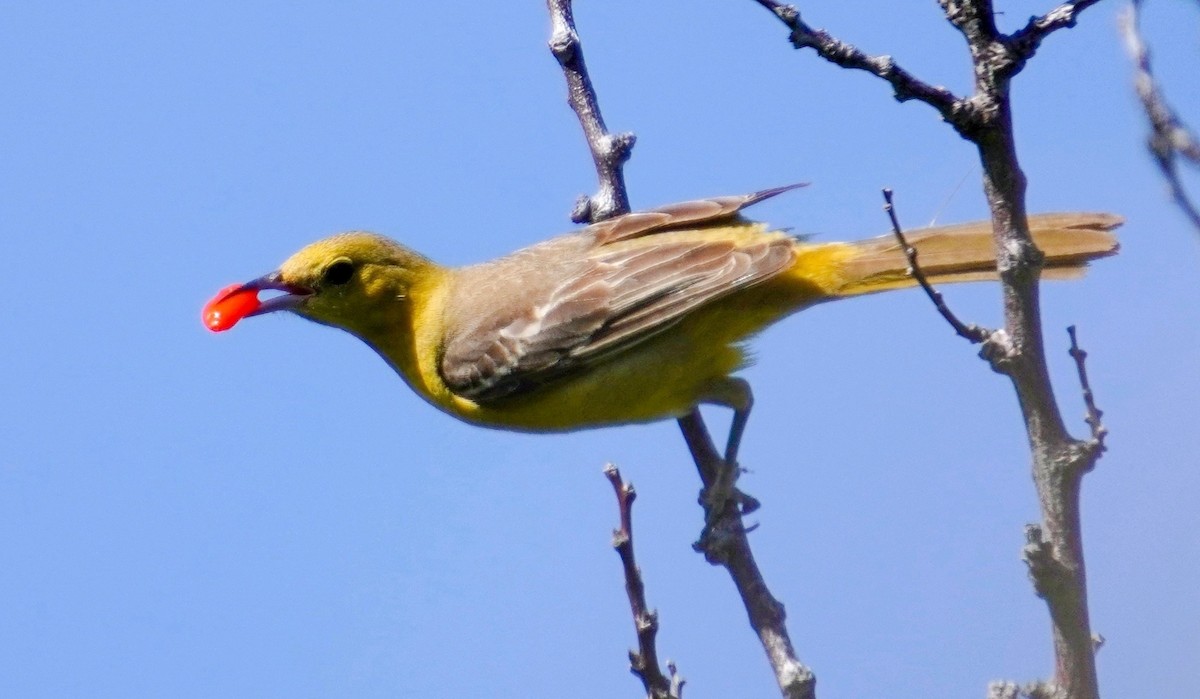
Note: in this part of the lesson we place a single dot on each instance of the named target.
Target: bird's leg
(741, 400)
(735, 394)
(720, 474)
(711, 467)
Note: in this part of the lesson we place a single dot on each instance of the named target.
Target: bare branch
(1052, 580)
(904, 84)
(1089, 399)
(609, 152)
(643, 662)
(677, 680)
(1027, 39)
(1059, 461)
(725, 543)
(766, 614)
(974, 333)
(1170, 138)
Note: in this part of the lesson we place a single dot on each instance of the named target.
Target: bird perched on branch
(638, 318)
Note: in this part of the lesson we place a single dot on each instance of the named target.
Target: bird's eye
(339, 272)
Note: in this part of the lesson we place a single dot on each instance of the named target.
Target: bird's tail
(956, 253)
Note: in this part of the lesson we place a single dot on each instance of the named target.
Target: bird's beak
(293, 295)
(238, 301)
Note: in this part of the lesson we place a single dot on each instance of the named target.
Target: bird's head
(354, 281)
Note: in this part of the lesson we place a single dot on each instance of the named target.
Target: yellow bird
(642, 317)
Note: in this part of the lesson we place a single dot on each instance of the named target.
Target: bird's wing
(624, 287)
(615, 300)
(673, 216)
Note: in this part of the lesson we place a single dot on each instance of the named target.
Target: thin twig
(609, 151)
(1094, 414)
(677, 680)
(974, 333)
(725, 543)
(643, 662)
(1170, 139)
(904, 84)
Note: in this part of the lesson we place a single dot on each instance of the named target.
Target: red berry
(228, 307)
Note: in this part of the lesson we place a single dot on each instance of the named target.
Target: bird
(638, 318)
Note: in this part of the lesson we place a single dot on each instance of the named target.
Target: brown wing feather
(688, 213)
(547, 310)
(696, 276)
(613, 299)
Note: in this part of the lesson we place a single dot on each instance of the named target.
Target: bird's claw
(717, 498)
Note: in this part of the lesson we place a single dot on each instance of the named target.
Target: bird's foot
(723, 492)
(724, 505)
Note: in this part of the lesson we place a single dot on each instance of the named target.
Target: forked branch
(904, 84)
(1059, 461)
(609, 151)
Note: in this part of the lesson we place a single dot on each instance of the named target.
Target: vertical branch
(1059, 460)
(609, 152)
(725, 543)
(644, 661)
(1054, 551)
(730, 548)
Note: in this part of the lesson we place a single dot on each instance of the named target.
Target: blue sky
(270, 513)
